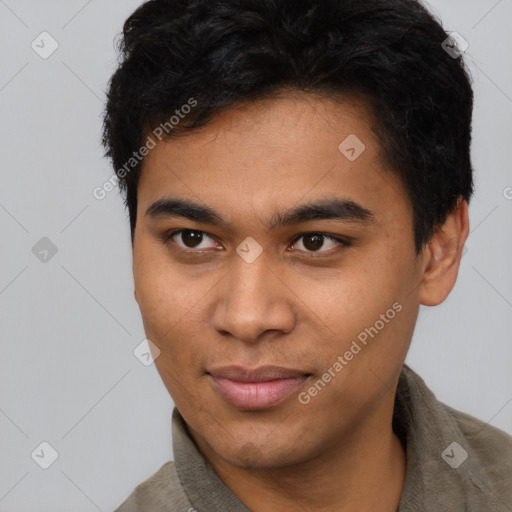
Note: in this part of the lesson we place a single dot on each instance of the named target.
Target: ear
(441, 256)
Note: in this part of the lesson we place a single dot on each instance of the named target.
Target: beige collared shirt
(455, 463)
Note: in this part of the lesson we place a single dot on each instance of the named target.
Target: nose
(253, 300)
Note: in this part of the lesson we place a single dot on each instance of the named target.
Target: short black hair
(214, 53)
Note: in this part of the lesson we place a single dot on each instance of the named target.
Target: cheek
(353, 297)
(160, 308)
(162, 292)
(368, 302)
(386, 312)
(169, 320)
(170, 305)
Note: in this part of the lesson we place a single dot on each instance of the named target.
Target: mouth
(260, 388)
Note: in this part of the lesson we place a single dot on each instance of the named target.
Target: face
(277, 275)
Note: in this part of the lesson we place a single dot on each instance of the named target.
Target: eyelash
(342, 241)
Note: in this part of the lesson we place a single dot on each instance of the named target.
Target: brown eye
(192, 239)
(313, 242)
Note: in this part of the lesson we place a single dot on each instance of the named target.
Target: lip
(259, 388)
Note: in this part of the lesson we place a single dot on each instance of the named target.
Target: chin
(252, 456)
(267, 449)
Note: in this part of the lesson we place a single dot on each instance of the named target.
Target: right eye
(189, 240)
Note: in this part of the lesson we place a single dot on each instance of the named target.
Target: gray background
(69, 325)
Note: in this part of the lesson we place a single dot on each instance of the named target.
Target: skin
(293, 306)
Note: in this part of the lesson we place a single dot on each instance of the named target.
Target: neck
(364, 471)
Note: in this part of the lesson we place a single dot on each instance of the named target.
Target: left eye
(313, 242)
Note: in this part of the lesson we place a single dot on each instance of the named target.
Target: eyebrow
(321, 209)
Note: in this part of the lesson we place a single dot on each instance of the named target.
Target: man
(297, 175)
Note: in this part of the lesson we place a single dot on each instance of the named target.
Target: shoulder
(489, 446)
(482, 458)
(452, 456)
(161, 492)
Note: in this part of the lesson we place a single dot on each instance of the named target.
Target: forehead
(282, 123)
(277, 152)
